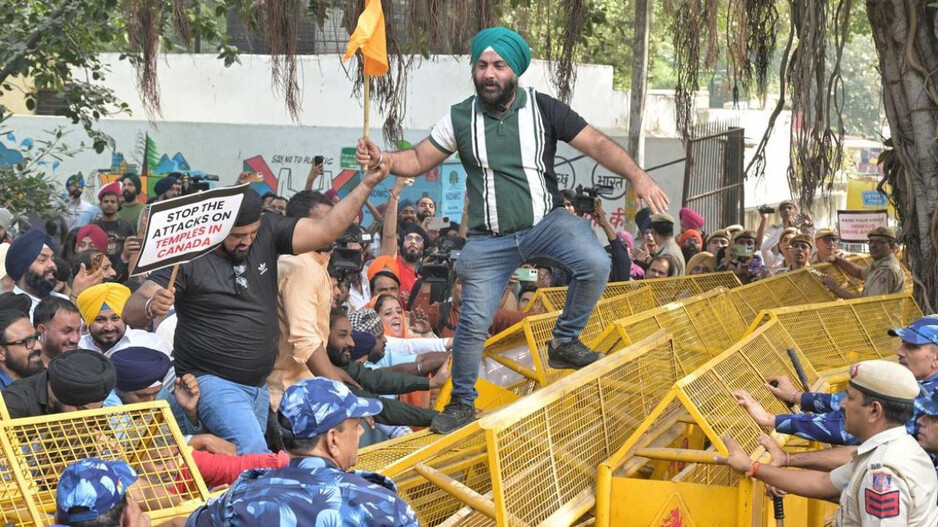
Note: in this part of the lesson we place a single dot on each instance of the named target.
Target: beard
(339, 357)
(39, 285)
(75, 193)
(498, 97)
(235, 255)
(374, 356)
(130, 197)
(27, 367)
(410, 257)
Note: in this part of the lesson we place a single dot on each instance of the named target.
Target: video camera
(347, 261)
(436, 265)
(585, 199)
(196, 183)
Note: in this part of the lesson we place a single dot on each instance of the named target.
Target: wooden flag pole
(367, 124)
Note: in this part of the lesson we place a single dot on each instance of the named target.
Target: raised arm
(389, 228)
(595, 144)
(311, 234)
(407, 163)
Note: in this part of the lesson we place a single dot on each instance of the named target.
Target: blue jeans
(234, 412)
(485, 266)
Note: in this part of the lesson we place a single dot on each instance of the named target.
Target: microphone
(501, 107)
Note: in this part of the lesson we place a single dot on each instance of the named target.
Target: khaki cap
(718, 234)
(662, 218)
(884, 232)
(743, 235)
(802, 238)
(885, 380)
(825, 232)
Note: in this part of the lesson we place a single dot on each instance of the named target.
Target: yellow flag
(369, 37)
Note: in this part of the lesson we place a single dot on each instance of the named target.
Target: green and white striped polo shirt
(509, 159)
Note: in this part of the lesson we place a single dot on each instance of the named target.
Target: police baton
(778, 504)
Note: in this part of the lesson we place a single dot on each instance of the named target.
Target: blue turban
(138, 367)
(24, 251)
(163, 185)
(364, 343)
(508, 44)
(75, 178)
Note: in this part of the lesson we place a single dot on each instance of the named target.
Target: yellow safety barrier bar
(835, 334)
(701, 324)
(786, 289)
(518, 348)
(534, 461)
(684, 483)
(522, 348)
(36, 450)
(664, 289)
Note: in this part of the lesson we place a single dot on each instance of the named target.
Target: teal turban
(508, 44)
(135, 179)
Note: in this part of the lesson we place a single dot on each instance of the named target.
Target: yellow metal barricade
(678, 482)
(534, 461)
(837, 334)
(522, 348)
(701, 324)
(786, 289)
(37, 449)
(664, 289)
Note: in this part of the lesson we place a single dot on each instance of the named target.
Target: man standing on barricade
(506, 138)
(226, 304)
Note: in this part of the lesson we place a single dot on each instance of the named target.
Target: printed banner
(184, 228)
(854, 225)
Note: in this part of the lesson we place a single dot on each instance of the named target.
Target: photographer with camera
(622, 267)
(767, 237)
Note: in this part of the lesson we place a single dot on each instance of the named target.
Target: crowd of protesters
(306, 334)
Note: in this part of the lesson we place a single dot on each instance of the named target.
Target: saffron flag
(369, 37)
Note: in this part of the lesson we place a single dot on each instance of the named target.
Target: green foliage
(56, 43)
(28, 186)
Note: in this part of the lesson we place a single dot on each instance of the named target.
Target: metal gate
(714, 175)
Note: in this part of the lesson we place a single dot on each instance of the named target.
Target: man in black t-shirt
(117, 229)
(226, 304)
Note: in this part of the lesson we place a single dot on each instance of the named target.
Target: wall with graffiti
(283, 155)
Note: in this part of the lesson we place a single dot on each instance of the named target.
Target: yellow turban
(93, 299)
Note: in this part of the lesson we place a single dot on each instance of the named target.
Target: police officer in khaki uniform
(890, 481)
(662, 226)
(882, 277)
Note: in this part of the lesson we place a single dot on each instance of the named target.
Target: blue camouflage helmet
(314, 406)
(92, 485)
(922, 331)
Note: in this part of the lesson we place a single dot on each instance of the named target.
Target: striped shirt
(509, 159)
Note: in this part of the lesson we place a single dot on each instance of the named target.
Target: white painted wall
(217, 117)
(199, 88)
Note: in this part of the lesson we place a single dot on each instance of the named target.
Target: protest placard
(854, 225)
(182, 229)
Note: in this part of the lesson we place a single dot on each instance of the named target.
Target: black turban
(80, 377)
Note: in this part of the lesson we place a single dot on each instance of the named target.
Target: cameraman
(228, 334)
(767, 238)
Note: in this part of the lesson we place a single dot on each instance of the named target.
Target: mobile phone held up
(526, 275)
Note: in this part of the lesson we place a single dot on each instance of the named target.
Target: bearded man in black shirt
(226, 304)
